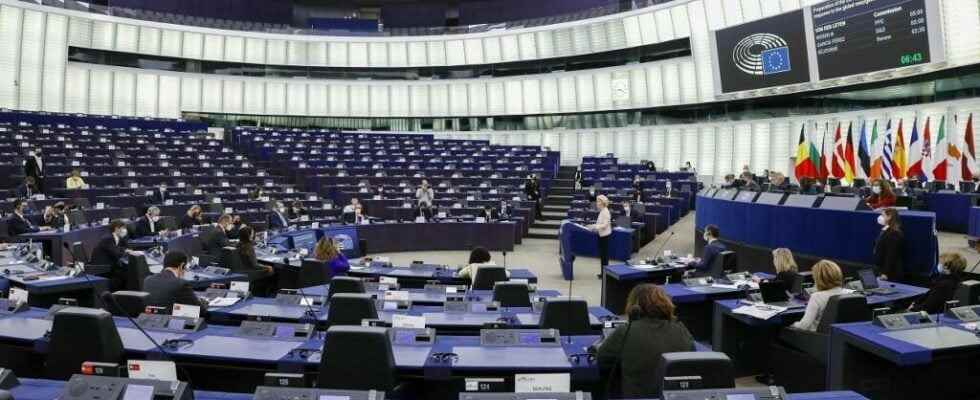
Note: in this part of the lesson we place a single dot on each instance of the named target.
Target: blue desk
(974, 222)
(950, 208)
(816, 233)
(620, 279)
(434, 298)
(882, 364)
(583, 242)
(44, 389)
(746, 339)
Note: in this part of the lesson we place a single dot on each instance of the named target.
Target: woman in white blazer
(602, 227)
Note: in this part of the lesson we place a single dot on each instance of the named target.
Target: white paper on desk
(138, 392)
(239, 286)
(388, 280)
(970, 326)
(396, 295)
(722, 286)
(542, 383)
(186, 310)
(408, 321)
(17, 295)
(223, 301)
(759, 311)
(156, 370)
(644, 266)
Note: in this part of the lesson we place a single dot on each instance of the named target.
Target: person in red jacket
(883, 195)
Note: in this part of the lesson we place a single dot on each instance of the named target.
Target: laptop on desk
(774, 294)
(870, 285)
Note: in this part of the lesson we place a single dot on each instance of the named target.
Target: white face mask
(155, 218)
(881, 220)
(121, 233)
(875, 190)
(941, 269)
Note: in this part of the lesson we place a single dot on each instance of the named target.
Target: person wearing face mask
(277, 219)
(18, 223)
(194, 216)
(168, 287)
(424, 194)
(890, 246)
(261, 277)
(711, 249)
(109, 253)
(34, 168)
(882, 195)
(58, 217)
(160, 194)
(949, 274)
(217, 239)
(148, 224)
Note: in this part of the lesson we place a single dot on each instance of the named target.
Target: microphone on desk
(107, 299)
(662, 245)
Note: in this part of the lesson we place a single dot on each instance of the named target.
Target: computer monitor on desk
(726, 194)
(304, 240)
(800, 200)
(774, 199)
(847, 203)
(746, 196)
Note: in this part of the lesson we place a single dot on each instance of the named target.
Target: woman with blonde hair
(602, 227)
(829, 281)
(75, 180)
(949, 274)
(787, 273)
(326, 250)
(636, 349)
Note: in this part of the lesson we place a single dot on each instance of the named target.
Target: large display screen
(859, 36)
(828, 40)
(764, 53)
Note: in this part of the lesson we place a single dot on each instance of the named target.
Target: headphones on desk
(579, 358)
(445, 357)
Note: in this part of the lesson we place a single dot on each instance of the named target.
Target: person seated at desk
(829, 281)
(811, 186)
(883, 195)
(730, 182)
(109, 253)
(359, 216)
(778, 183)
(651, 166)
(217, 238)
(277, 219)
(628, 211)
(424, 194)
(297, 211)
(193, 217)
(637, 354)
(889, 248)
(55, 216)
(711, 249)
(949, 274)
(75, 181)
(28, 189)
(637, 188)
(168, 287)
(349, 208)
(260, 276)
(787, 272)
(256, 193)
(18, 223)
(148, 224)
(490, 214)
(479, 257)
(160, 195)
(688, 167)
(749, 183)
(326, 250)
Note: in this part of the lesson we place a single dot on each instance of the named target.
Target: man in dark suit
(18, 224)
(160, 194)
(28, 189)
(749, 183)
(217, 239)
(277, 218)
(711, 250)
(109, 253)
(148, 224)
(34, 167)
(168, 287)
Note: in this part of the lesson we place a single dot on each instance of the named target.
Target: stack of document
(223, 301)
(760, 311)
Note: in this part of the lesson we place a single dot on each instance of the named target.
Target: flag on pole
(823, 173)
(864, 156)
(804, 165)
(849, 166)
(876, 160)
(939, 163)
(969, 161)
(899, 164)
(953, 156)
(926, 152)
(837, 156)
(915, 152)
(886, 153)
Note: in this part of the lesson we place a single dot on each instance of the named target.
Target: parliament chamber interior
(489, 199)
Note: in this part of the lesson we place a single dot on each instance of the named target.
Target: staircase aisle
(555, 206)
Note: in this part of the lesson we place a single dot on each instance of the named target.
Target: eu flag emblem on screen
(775, 60)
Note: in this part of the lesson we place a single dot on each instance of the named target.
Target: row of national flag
(881, 152)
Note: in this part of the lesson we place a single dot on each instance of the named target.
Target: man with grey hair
(149, 224)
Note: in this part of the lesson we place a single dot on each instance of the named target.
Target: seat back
(345, 284)
(570, 316)
(77, 217)
(351, 309)
(78, 250)
(844, 308)
(715, 369)
(313, 273)
(968, 293)
(230, 259)
(724, 261)
(370, 346)
(511, 294)
(488, 275)
(128, 302)
(68, 349)
(136, 272)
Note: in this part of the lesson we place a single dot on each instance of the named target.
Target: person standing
(603, 227)
(533, 191)
(890, 246)
(34, 167)
(424, 194)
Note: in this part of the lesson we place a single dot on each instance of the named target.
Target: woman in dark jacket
(259, 276)
(890, 246)
(636, 348)
(948, 278)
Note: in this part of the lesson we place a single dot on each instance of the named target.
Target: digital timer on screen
(859, 36)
